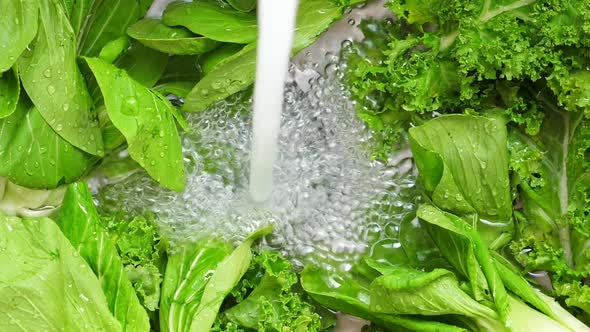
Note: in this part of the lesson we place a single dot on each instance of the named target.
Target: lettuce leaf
(80, 223)
(198, 278)
(45, 285)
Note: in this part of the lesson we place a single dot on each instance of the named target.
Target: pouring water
(276, 21)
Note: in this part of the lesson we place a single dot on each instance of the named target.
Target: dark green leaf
(143, 64)
(171, 40)
(34, 155)
(18, 27)
(80, 223)
(146, 119)
(9, 92)
(182, 68)
(212, 21)
(51, 77)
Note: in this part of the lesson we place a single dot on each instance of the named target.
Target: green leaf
(451, 223)
(146, 119)
(463, 163)
(143, 64)
(33, 155)
(243, 5)
(46, 285)
(218, 57)
(51, 77)
(412, 292)
(9, 92)
(171, 40)
(212, 21)
(179, 88)
(17, 29)
(187, 272)
(275, 303)
(97, 22)
(536, 321)
(547, 305)
(143, 253)
(237, 71)
(80, 223)
(313, 18)
(182, 68)
(556, 199)
(226, 276)
(113, 49)
(350, 294)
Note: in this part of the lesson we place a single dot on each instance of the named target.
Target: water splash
(276, 23)
(327, 192)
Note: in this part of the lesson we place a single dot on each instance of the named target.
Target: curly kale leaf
(551, 174)
(269, 298)
(142, 252)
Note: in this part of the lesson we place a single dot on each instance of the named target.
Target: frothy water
(276, 23)
(327, 196)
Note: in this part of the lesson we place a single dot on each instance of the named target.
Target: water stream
(276, 23)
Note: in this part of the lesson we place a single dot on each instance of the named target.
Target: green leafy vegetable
(275, 303)
(98, 22)
(237, 71)
(172, 40)
(143, 64)
(235, 74)
(463, 163)
(9, 92)
(412, 292)
(142, 253)
(147, 121)
(213, 21)
(17, 29)
(33, 155)
(243, 5)
(80, 223)
(51, 77)
(45, 284)
(197, 280)
(350, 293)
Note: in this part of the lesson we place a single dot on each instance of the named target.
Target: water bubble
(326, 193)
(351, 21)
(50, 89)
(47, 73)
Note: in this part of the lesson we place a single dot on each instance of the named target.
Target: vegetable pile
(492, 96)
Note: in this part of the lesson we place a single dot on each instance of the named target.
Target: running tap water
(276, 23)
